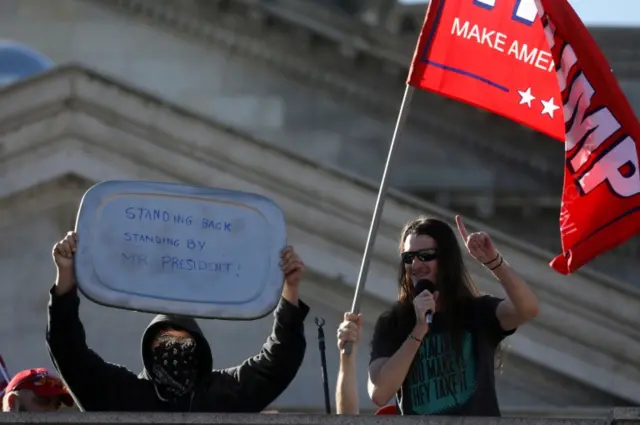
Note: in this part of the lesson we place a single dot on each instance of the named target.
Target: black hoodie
(100, 386)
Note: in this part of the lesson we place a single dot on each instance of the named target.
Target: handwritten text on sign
(181, 245)
(177, 247)
(177, 252)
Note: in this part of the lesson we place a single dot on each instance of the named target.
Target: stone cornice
(376, 87)
(368, 86)
(102, 129)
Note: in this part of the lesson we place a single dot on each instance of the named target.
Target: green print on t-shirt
(439, 380)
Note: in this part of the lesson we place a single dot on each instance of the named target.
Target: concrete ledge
(627, 416)
(278, 419)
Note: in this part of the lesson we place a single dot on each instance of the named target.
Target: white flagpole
(3, 370)
(5, 374)
(377, 212)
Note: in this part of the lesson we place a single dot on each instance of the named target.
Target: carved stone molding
(371, 87)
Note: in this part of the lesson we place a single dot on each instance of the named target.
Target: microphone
(424, 285)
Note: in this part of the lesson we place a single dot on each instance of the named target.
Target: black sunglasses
(422, 255)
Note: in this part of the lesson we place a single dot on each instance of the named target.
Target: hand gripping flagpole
(377, 212)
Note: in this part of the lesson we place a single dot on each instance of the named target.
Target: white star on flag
(526, 97)
(548, 107)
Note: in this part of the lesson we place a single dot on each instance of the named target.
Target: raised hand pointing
(478, 244)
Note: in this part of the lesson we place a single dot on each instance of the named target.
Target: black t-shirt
(448, 377)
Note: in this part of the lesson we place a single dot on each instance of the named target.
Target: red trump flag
(494, 55)
(534, 61)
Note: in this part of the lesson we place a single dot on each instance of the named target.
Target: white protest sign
(178, 249)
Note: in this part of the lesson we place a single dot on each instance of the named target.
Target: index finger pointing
(461, 228)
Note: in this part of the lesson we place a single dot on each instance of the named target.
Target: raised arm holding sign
(182, 235)
(177, 373)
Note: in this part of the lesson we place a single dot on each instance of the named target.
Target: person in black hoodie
(178, 373)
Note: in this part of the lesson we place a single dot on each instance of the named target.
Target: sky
(598, 12)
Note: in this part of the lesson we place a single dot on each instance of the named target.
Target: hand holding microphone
(424, 302)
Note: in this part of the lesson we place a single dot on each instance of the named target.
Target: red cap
(41, 382)
(388, 410)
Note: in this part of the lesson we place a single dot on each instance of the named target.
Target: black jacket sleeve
(258, 381)
(95, 384)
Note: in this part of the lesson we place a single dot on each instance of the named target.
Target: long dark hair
(453, 281)
(455, 285)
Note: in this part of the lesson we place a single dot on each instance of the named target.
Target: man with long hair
(445, 367)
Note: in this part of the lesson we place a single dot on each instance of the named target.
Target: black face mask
(175, 366)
